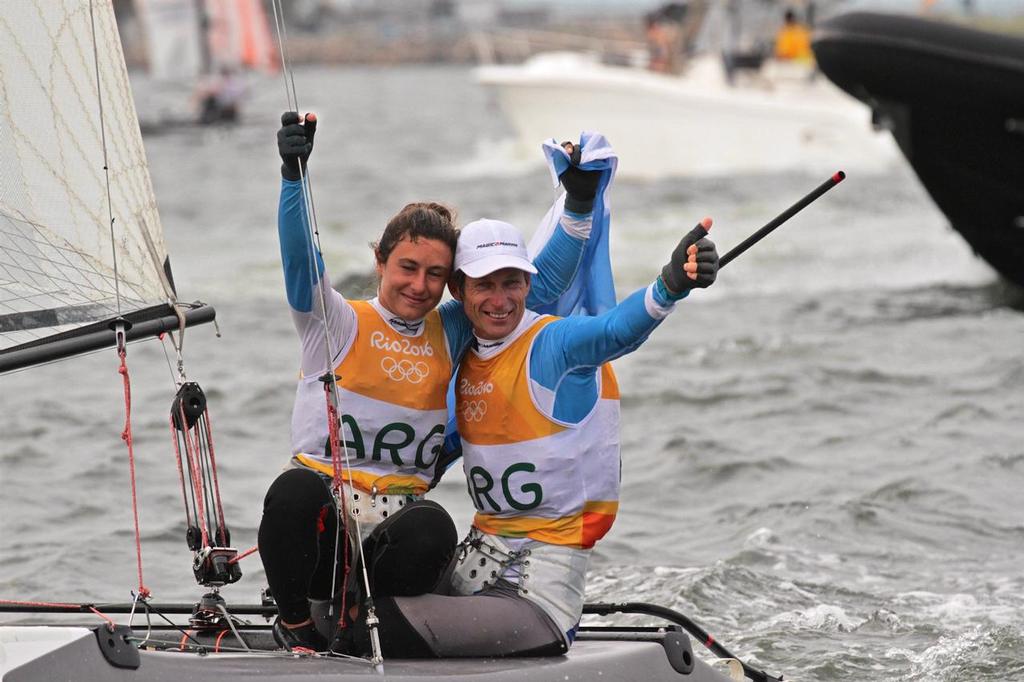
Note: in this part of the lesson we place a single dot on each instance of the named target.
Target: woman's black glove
(580, 185)
(295, 143)
(694, 262)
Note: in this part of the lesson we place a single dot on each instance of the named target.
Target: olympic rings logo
(474, 410)
(404, 370)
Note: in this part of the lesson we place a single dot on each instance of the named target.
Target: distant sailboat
(81, 242)
(205, 47)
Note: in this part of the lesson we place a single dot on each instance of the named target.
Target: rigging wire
(120, 324)
(106, 164)
(332, 394)
(231, 624)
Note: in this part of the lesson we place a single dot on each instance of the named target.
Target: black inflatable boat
(953, 98)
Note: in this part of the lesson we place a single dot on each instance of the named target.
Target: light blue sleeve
(557, 265)
(296, 257)
(567, 353)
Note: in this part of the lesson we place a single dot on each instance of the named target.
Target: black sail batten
(51, 317)
(169, 275)
(147, 322)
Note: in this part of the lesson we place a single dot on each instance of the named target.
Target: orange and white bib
(530, 475)
(392, 401)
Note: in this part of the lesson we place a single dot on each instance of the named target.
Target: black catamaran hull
(954, 100)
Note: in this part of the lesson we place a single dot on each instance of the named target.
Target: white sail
(57, 258)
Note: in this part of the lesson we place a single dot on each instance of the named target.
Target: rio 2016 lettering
(397, 439)
(405, 346)
(528, 496)
(479, 388)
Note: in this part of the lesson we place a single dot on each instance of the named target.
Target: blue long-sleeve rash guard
(556, 267)
(567, 353)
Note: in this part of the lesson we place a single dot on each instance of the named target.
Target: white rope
(231, 624)
(313, 233)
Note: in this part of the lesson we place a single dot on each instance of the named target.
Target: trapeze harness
(545, 491)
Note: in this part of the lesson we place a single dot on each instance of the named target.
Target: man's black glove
(694, 248)
(295, 143)
(580, 185)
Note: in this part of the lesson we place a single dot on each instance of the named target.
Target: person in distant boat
(219, 97)
(538, 414)
(793, 41)
(663, 30)
(393, 356)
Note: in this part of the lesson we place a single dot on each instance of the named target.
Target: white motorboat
(780, 117)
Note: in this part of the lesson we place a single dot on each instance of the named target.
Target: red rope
(54, 604)
(339, 496)
(335, 437)
(61, 605)
(192, 452)
(216, 644)
(213, 472)
(181, 472)
(251, 550)
(110, 623)
(126, 436)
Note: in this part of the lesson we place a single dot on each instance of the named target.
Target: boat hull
(694, 125)
(642, 657)
(954, 100)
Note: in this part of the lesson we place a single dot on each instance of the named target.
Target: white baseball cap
(487, 245)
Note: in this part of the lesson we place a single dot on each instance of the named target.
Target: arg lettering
(526, 497)
(397, 439)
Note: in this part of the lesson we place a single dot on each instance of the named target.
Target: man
(793, 41)
(537, 408)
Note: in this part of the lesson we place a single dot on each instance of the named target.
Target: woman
(393, 357)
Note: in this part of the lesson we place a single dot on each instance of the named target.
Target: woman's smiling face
(413, 278)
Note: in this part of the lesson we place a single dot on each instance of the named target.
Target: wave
(980, 654)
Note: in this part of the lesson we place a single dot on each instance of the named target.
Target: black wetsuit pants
(297, 539)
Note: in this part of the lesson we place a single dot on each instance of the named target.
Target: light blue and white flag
(592, 292)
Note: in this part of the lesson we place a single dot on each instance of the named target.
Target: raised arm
(578, 342)
(559, 261)
(304, 271)
(303, 265)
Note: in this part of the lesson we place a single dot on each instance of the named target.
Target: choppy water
(823, 454)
